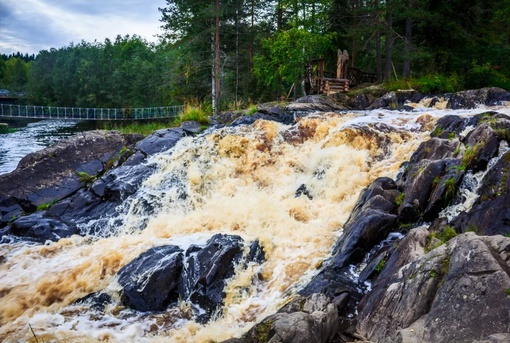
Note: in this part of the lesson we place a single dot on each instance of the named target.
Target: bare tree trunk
(216, 72)
(355, 11)
(389, 41)
(406, 70)
(378, 54)
(279, 15)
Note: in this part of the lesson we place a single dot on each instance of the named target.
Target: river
(239, 181)
(31, 136)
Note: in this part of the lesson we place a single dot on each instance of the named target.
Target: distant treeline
(255, 51)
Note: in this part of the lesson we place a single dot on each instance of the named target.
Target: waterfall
(233, 180)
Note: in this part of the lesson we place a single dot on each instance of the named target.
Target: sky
(29, 26)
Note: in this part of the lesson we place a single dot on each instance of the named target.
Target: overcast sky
(29, 26)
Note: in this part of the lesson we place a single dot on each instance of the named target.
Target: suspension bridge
(78, 113)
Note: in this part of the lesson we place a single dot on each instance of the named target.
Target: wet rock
(41, 227)
(50, 175)
(448, 124)
(369, 223)
(207, 268)
(150, 282)
(313, 319)
(303, 190)
(396, 100)
(430, 187)
(456, 292)
(312, 103)
(490, 214)
(160, 140)
(472, 98)
(96, 301)
(191, 127)
(256, 253)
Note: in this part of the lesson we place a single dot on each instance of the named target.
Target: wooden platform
(331, 86)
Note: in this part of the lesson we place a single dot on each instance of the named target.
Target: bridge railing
(79, 113)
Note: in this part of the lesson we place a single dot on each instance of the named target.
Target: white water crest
(467, 193)
(239, 181)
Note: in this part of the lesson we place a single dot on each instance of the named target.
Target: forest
(230, 53)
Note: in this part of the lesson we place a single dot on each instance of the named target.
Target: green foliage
(251, 110)
(485, 75)
(436, 132)
(85, 178)
(450, 188)
(400, 199)
(144, 128)
(470, 155)
(194, 113)
(46, 206)
(285, 54)
(427, 84)
(380, 266)
(440, 237)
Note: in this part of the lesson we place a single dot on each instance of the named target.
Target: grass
(46, 206)
(440, 237)
(400, 199)
(193, 112)
(85, 177)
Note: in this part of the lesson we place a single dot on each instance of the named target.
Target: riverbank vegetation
(252, 51)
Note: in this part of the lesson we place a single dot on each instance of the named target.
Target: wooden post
(345, 58)
(341, 64)
(339, 61)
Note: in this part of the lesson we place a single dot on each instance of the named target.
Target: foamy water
(238, 181)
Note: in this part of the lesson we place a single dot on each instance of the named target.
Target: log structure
(319, 81)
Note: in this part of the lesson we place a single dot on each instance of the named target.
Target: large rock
(150, 282)
(161, 275)
(207, 268)
(312, 103)
(457, 292)
(49, 175)
(160, 140)
(305, 320)
(490, 214)
(40, 227)
(370, 222)
(475, 97)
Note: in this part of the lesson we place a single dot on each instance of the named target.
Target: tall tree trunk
(378, 54)
(279, 15)
(355, 26)
(389, 41)
(406, 70)
(216, 86)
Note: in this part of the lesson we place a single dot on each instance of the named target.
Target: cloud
(29, 26)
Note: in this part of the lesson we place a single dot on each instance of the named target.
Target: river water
(31, 136)
(239, 181)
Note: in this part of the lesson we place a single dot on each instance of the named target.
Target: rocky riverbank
(410, 266)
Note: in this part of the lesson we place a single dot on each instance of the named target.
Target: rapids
(233, 180)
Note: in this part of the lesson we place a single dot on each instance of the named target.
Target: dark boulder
(313, 319)
(475, 97)
(52, 174)
(490, 214)
(41, 227)
(160, 140)
(207, 268)
(150, 282)
(369, 223)
(313, 103)
(455, 293)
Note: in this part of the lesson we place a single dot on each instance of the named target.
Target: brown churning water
(240, 181)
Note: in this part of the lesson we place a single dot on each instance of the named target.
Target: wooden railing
(357, 76)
